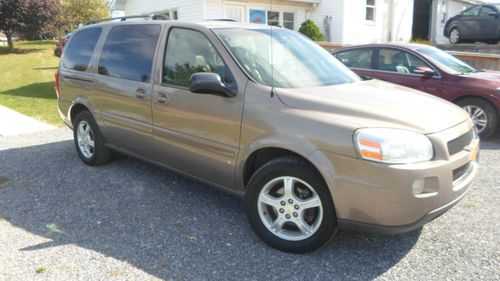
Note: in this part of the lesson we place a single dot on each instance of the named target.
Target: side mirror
(424, 70)
(493, 14)
(209, 83)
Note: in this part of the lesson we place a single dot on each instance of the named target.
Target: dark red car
(434, 71)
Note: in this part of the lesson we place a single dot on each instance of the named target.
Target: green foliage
(311, 30)
(32, 18)
(27, 80)
(76, 12)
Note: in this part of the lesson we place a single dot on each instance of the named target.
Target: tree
(42, 20)
(311, 30)
(76, 12)
(12, 18)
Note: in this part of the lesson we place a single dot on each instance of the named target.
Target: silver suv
(266, 114)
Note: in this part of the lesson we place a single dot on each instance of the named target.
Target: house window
(273, 18)
(288, 20)
(285, 19)
(370, 10)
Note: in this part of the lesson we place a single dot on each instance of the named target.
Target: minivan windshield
(446, 61)
(289, 61)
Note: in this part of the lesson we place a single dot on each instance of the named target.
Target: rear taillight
(56, 84)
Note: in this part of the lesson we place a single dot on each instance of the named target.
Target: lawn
(27, 80)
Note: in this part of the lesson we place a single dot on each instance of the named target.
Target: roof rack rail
(221, 20)
(147, 17)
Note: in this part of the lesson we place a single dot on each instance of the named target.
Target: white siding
(215, 8)
(332, 12)
(186, 9)
(400, 29)
(393, 22)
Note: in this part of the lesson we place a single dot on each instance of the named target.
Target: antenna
(272, 51)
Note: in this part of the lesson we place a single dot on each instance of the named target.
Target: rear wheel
(454, 36)
(289, 206)
(482, 113)
(89, 142)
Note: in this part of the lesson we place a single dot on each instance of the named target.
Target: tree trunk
(9, 41)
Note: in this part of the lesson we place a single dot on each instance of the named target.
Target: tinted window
(188, 52)
(128, 52)
(79, 51)
(472, 11)
(485, 11)
(399, 61)
(358, 58)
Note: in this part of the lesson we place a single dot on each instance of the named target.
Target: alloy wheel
(478, 116)
(454, 36)
(290, 208)
(85, 138)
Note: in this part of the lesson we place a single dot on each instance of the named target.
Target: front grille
(458, 144)
(459, 172)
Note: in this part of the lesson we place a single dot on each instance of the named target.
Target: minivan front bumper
(398, 198)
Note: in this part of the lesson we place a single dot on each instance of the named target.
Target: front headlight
(393, 146)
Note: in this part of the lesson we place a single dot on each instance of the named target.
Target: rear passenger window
(129, 51)
(79, 51)
(188, 52)
(358, 58)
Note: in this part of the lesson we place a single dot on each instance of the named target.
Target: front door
(235, 11)
(400, 67)
(124, 85)
(469, 23)
(489, 23)
(196, 133)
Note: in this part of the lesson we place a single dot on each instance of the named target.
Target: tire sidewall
(458, 32)
(308, 174)
(490, 113)
(87, 117)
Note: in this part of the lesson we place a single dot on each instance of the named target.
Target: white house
(341, 21)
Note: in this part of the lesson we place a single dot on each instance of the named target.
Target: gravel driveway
(63, 220)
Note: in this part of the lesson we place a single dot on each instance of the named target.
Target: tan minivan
(265, 113)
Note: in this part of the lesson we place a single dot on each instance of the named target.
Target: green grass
(27, 80)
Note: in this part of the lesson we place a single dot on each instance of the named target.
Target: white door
(235, 11)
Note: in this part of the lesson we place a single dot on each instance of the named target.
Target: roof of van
(209, 23)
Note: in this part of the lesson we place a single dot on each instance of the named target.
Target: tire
(97, 155)
(455, 36)
(319, 223)
(483, 114)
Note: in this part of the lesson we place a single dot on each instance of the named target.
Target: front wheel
(455, 36)
(482, 113)
(289, 206)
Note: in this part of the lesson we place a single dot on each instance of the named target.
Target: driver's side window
(394, 60)
(188, 52)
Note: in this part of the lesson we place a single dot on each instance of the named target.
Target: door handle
(162, 98)
(140, 93)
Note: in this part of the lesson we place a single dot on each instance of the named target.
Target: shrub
(311, 30)
(61, 42)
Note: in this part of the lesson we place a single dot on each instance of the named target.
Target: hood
(375, 103)
(490, 77)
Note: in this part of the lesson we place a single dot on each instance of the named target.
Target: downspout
(391, 20)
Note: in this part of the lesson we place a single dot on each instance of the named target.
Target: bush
(311, 30)
(61, 42)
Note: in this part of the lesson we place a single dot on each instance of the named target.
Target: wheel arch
(469, 96)
(78, 105)
(263, 155)
(75, 109)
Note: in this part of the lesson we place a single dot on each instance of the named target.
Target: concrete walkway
(14, 123)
